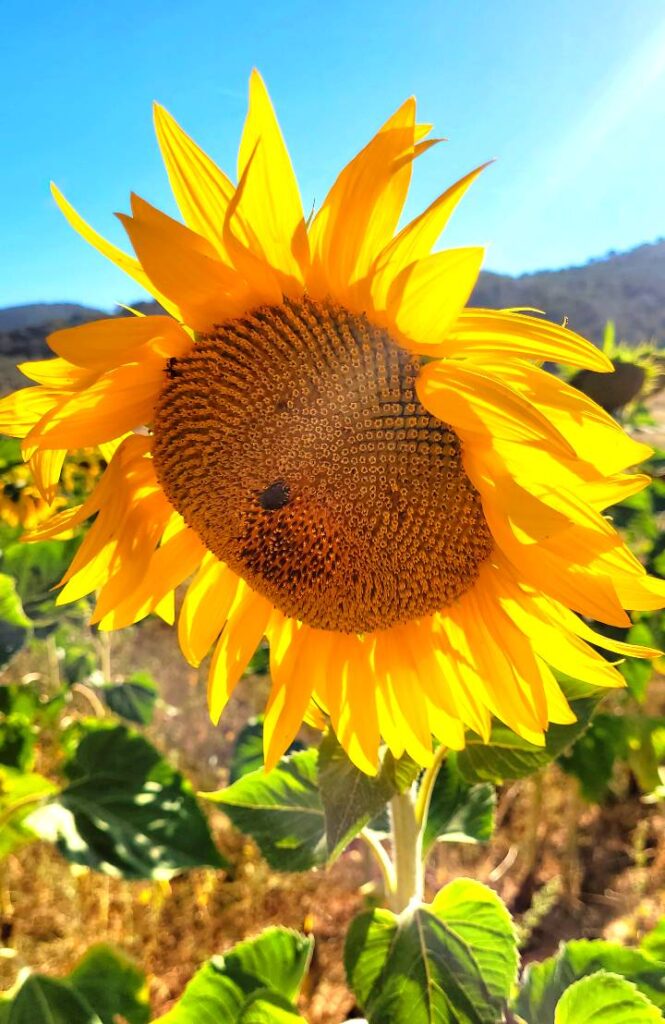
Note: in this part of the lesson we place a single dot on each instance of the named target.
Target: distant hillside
(35, 315)
(628, 288)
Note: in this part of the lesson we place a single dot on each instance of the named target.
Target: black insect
(277, 495)
(172, 368)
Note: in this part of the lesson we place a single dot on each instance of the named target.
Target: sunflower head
(293, 442)
(334, 453)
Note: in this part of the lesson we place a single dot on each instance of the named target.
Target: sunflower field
(320, 700)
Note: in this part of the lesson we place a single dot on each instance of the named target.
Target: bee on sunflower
(339, 456)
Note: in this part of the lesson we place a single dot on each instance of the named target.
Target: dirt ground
(566, 869)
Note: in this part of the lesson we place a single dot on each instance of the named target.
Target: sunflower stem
(407, 842)
(383, 861)
(427, 785)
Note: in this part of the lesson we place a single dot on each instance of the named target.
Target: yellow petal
(508, 334)
(56, 373)
(556, 646)
(265, 283)
(481, 651)
(416, 239)
(20, 411)
(202, 191)
(170, 565)
(593, 434)
(271, 200)
(482, 404)
(242, 633)
(119, 400)
(290, 693)
(361, 211)
(106, 343)
(399, 682)
(205, 607)
(352, 701)
(426, 297)
(201, 287)
(121, 259)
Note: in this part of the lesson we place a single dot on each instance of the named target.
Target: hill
(627, 287)
(15, 318)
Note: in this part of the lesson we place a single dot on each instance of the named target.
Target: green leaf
(37, 568)
(79, 663)
(20, 793)
(653, 942)
(211, 997)
(459, 812)
(17, 742)
(126, 811)
(638, 671)
(14, 624)
(134, 699)
(640, 750)
(111, 984)
(452, 962)
(350, 797)
(605, 998)
(259, 664)
(269, 1008)
(544, 983)
(281, 810)
(44, 1000)
(247, 753)
(591, 760)
(278, 959)
(508, 756)
(224, 987)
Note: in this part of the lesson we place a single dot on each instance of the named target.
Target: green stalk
(407, 842)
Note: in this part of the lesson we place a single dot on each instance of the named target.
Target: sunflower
(338, 456)
(21, 503)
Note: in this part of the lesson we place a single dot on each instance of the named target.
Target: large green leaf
(653, 942)
(211, 997)
(459, 811)
(14, 624)
(277, 959)
(126, 811)
(44, 1000)
(452, 962)
(111, 984)
(605, 998)
(591, 759)
(37, 568)
(350, 797)
(545, 983)
(281, 810)
(508, 756)
(20, 793)
(274, 964)
(247, 753)
(269, 1008)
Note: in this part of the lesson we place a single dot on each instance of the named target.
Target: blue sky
(569, 96)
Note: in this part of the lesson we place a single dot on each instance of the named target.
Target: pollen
(291, 440)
